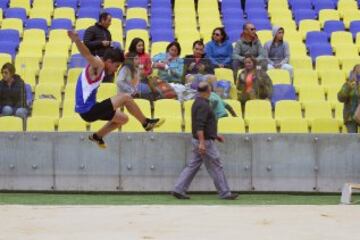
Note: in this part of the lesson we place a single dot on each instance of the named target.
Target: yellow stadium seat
(11, 124)
(55, 62)
(328, 14)
(284, 13)
(162, 108)
(106, 90)
(262, 125)
(32, 49)
(339, 109)
(117, 35)
(51, 76)
(207, 4)
(5, 58)
(297, 50)
(275, 5)
(325, 125)
(72, 124)
(46, 108)
(60, 37)
(172, 124)
(279, 76)
(224, 74)
(236, 106)
(114, 4)
(43, 4)
(158, 47)
(1, 15)
(133, 125)
(347, 64)
(27, 64)
(13, 23)
(257, 109)
(231, 125)
(294, 125)
(311, 94)
(74, 49)
(28, 75)
(315, 110)
(73, 75)
(57, 50)
(131, 34)
(289, 26)
(327, 62)
(346, 51)
(187, 109)
(264, 36)
(349, 16)
(345, 5)
(144, 106)
(48, 90)
(303, 77)
(293, 36)
(34, 36)
(341, 38)
(70, 91)
(304, 62)
(331, 94)
(287, 109)
(40, 124)
(21, 4)
(137, 13)
(84, 23)
(69, 107)
(187, 122)
(332, 78)
(65, 12)
(41, 13)
(308, 25)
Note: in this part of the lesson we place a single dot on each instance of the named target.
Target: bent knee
(120, 118)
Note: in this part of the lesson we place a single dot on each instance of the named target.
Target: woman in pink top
(137, 46)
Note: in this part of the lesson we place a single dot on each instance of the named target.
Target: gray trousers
(213, 166)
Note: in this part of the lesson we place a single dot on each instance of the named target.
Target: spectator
(12, 93)
(98, 38)
(219, 49)
(128, 77)
(349, 94)
(197, 66)
(253, 83)
(277, 51)
(219, 106)
(248, 44)
(169, 64)
(137, 46)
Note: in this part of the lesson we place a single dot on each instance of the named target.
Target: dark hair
(176, 44)
(246, 24)
(103, 16)
(223, 33)
(134, 42)
(251, 58)
(114, 54)
(202, 88)
(129, 62)
(10, 67)
(198, 42)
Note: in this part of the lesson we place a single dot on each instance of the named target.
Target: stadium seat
(331, 93)
(279, 76)
(265, 36)
(328, 15)
(37, 23)
(47, 5)
(61, 23)
(354, 28)
(172, 124)
(346, 51)
(327, 62)
(67, 3)
(52, 76)
(345, 6)
(137, 3)
(90, 3)
(341, 38)
(46, 108)
(158, 47)
(311, 94)
(21, 4)
(73, 75)
(320, 5)
(41, 13)
(106, 90)
(287, 109)
(316, 37)
(48, 91)
(319, 109)
(257, 109)
(8, 48)
(34, 36)
(88, 12)
(5, 58)
(162, 107)
(65, 12)
(339, 108)
(332, 78)
(13, 23)
(317, 50)
(333, 26)
(282, 92)
(114, 4)
(326, 125)
(347, 64)
(236, 106)
(304, 77)
(349, 16)
(69, 92)
(56, 62)
(40, 124)
(11, 124)
(293, 125)
(69, 106)
(187, 109)
(77, 61)
(84, 23)
(59, 36)
(135, 23)
(301, 63)
(17, 12)
(304, 15)
(261, 125)
(297, 50)
(231, 125)
(224, 74)
(72, 124)
(115, 13)
(137, 13)
(308, 25)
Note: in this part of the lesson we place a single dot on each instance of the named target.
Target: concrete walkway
(179, 222)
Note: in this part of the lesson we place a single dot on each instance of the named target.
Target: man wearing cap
(204, 131)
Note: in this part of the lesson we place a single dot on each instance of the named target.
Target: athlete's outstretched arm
(84, 51)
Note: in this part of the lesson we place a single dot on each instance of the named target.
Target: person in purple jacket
(219, 50)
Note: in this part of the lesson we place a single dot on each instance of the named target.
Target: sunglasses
(252, 29)
(217, 34)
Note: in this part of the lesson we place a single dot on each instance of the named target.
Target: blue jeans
(10, 111)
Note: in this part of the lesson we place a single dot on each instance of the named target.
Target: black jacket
(202, 67)
(14, 95)
(93, 38)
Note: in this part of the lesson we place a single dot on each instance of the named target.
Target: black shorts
(100, 111)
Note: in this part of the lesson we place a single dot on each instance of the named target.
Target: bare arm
(84, 51)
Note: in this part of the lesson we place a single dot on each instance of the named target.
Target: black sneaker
(98, 140)
(150, 124)
(232, 196)
(180, 196)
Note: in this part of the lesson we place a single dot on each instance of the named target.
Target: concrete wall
(153, 161)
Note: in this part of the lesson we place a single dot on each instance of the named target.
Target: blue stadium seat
(137, 3)
(161, 35)
(320, 50)
(282, 92)
(4, 4)
(81, 33)
(300, 4)
(233, 13)
(88, 12)
(316, 37)
(234, 25)
(323, 4)
(161, 13)
(234, 34)
(262, 24)
(115, 13)
(9, 35)
(161, 4)
(37, 23)
(333, 26)
(302, 14)
(135, 23)
(16, 13)
(90, 3)
(161, 23)
(254, 4)
(256, 13)
(9, 47)
(61, 23)
(354, 28)
(77, 61)
(67, 3)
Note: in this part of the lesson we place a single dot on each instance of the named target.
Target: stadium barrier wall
(151, 162)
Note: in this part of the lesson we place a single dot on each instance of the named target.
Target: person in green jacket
(219, 106)
(349, 94)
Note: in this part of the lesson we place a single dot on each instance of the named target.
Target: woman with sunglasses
(219, 50)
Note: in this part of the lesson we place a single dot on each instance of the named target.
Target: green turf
(165, 199)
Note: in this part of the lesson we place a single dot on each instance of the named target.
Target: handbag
(162, 87)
